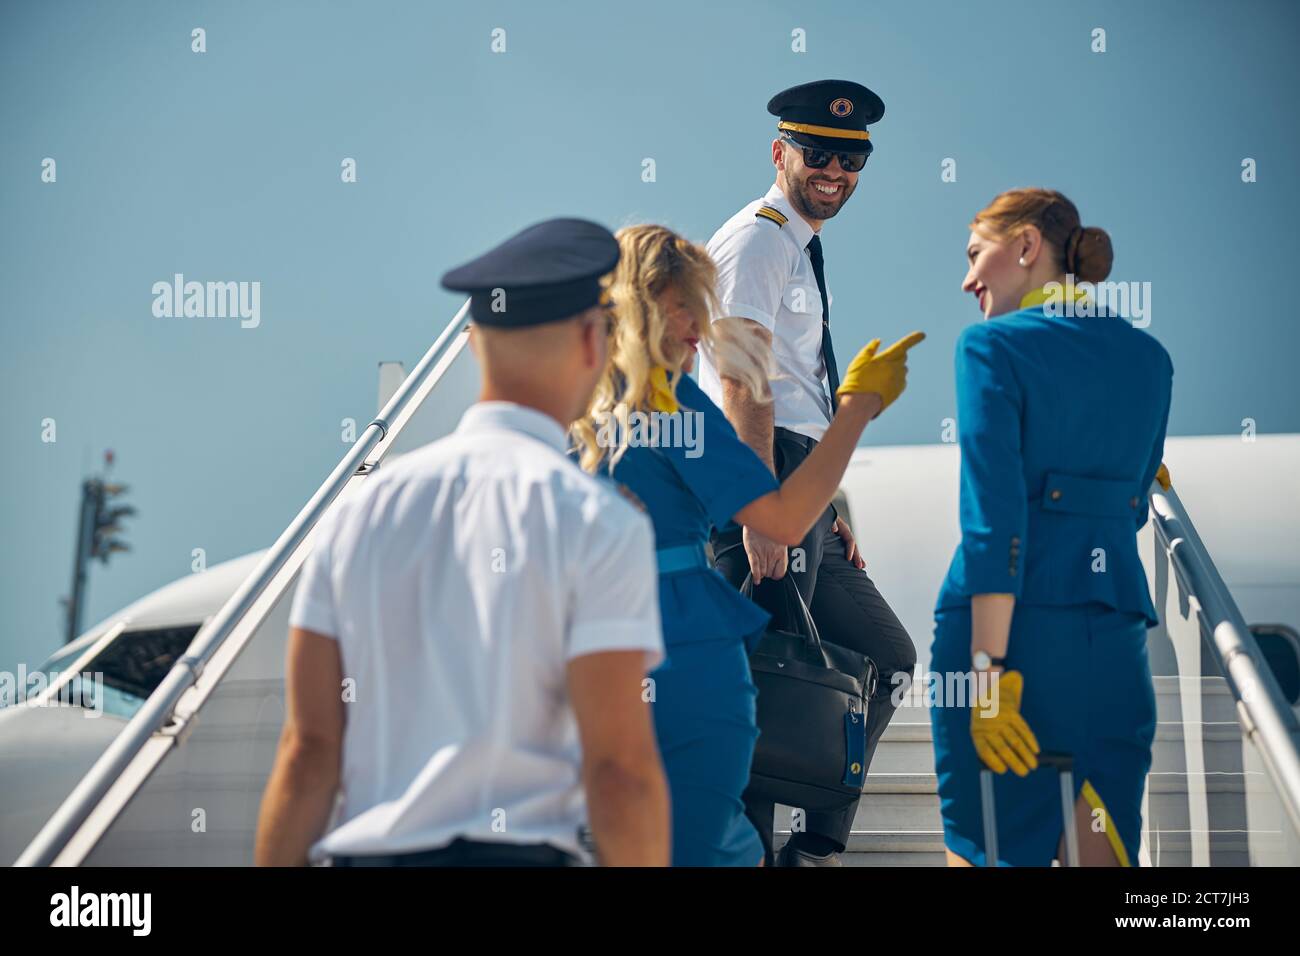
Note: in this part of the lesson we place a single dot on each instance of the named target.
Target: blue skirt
(705, 721)
(1087, 692)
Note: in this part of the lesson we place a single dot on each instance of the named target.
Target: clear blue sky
(225, 166)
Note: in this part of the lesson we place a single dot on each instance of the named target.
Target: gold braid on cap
(824, 130)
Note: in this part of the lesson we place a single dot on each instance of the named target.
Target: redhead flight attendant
(1062, 417)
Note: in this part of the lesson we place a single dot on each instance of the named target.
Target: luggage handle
(1064, 764)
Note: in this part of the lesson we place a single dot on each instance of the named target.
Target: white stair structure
(898, 822)
(898, 819)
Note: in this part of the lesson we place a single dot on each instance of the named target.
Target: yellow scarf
(1039, 296)
(662, 398)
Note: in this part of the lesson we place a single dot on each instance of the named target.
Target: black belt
(729, 534)
(462, 852)
(803, 441)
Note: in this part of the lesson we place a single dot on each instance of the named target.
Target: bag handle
(805, 626)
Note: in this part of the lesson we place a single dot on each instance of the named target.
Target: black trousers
(462, 852)
(848, 610)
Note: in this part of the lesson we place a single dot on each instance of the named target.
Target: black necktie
(828, 351)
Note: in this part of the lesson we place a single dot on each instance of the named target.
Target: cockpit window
(137, 661)
(123, 675)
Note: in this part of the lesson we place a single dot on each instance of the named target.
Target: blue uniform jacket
(1061, 421)
(686, 491)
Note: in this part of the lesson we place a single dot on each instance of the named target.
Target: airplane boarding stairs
(181, 782)
(898, 820)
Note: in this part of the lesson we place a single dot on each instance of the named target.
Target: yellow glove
(884, 373)
(1001, 737)
(1162, 476)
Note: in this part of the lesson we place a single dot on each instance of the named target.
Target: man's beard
(809, 204)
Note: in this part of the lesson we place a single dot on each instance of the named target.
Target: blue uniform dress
(704, 699)
(1062, 426)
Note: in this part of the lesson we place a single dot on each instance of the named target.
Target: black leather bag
(812, 713)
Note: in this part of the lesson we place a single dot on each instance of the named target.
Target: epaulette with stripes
(769, 212)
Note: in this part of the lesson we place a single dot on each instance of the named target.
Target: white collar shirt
(458, 582)
(765, 274)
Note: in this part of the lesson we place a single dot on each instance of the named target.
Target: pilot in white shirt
(487, 612)
(765, 274)
(771, 272)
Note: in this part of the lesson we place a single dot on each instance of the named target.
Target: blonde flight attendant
(692, 472)
(1062, 416)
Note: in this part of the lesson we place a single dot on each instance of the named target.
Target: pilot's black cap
(548, 272)
(828, 114)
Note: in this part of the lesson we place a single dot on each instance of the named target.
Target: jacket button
(1133, 502)
(1015, 541)
(1056, 494)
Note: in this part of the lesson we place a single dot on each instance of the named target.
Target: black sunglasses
(815, 158)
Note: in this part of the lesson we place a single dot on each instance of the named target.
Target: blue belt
(683, 557)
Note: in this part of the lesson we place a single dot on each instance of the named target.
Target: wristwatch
(983, 661)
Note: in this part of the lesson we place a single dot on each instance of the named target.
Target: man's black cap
(548, 272)
(828, 114)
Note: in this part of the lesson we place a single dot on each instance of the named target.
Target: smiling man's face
(816, 193)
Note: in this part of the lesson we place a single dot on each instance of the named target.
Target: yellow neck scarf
(662, 398)
(1053, 290)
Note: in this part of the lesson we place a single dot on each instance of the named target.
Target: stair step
(910, 782)
(886, 812)
(886, 841)
(909, 749)
(1175, 781)
(895, 859)
(905, 732)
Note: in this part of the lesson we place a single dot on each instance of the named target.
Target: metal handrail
(1266, 717)
(158, 710)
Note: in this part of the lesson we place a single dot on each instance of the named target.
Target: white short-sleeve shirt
(459, 582)
(766, 274)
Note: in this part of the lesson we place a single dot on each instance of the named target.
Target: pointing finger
(902, 345)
